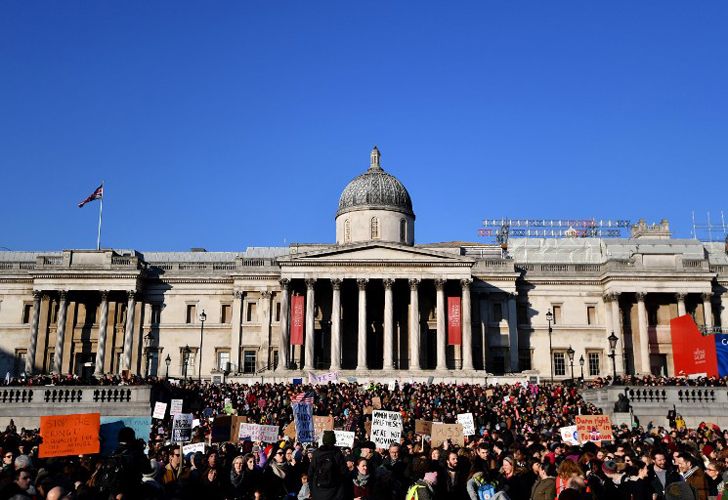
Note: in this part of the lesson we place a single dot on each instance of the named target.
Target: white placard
(160, 409)
(324, 378)
(175, 407)
(344, 439)
(466, 420)
(193, 448)
(391, 385)
(256, 432)
(196, 423)
(569, 434)
(182, 428)
(386, 428)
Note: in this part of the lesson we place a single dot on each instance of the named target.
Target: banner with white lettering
(386, 428)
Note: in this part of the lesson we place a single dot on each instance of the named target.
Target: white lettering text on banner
(466, 420)
(303, 416)
(386, 428)
(182, 428)
(160, 409)
(175, 407)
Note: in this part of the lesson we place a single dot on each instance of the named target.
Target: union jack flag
(303, 397)
(97, 194)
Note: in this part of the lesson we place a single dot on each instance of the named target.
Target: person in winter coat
(328, 470)
(424, 487)
(636, 484)
(690, 469)
(362, 483)
(545, 486)
(662, 473)
(244, 477)
(277, 476)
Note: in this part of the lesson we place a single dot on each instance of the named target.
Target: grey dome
(375, 189)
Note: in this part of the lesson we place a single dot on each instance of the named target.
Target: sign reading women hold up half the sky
(386, 428)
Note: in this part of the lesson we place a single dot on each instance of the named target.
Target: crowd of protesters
(516, 453)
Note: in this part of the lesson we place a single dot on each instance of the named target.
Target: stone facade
(375, 306)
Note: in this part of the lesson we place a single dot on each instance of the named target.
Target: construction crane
(504, 228)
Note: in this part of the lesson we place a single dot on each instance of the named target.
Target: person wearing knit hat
(327, 472)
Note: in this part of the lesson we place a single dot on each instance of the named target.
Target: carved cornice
(238, 294)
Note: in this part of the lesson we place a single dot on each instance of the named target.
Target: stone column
(724, 311)
(129, 334)
(361, 355)
(60, 330)
(308, 363)
(237, 329)
(101, 345)
(681, 311)
(284, 340)
(643, 333)
(617, 328)
(513, 332)
(708, 310)
(265, 312)
(388, 325)
(33, 341)
(609, 324)
(467, 326)
(484, 319)
(441, 326)
(414, 326)
(336, 325)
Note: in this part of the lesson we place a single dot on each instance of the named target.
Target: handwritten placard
(423, 427)
(182, 428)
(595, 428)
(193, 448)
(466, 420)
(160, 409)
(321, 424)
(323, 378)
(344, 439)
(257, 432)
(303, 416)
(64, 435)
(443, 432)
(175, 407)
(386, 428)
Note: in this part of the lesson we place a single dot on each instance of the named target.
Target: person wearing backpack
(328, 470)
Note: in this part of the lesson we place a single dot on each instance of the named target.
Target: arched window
(374, 228)
(347, 231)
(402, 230)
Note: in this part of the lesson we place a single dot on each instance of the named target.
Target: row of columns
(61, 332)
(413, 333)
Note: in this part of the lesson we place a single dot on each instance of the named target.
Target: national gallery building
(374, 304)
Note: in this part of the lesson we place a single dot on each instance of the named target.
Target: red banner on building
(297, 320)
(692, 351)
(454, 324)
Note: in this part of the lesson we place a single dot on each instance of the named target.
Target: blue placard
(110, 427)
(721, 352)
(303, 415)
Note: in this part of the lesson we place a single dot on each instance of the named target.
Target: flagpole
(101, 209)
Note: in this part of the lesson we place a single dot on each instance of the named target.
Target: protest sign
(196, 423)
(303, 416)
(443, 432)
(193, 448)
(569, 435)
(377, 403)
(368, 410)
(466, 420)
(489, 393)
(321, 424)
(256, 432)
(228, 406)
(324, 378)
(110, 427)
(175, 407)
(182, 428)
(344, 439)
(423, 427)
(290, 430)
(235, 421)
(391, 385)
(368, 427)
(594, 428)
(220, 431)
(386, 428)
(76, 434)
(160, 409)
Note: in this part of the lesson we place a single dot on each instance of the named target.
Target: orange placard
(595, 428)
(65, 435)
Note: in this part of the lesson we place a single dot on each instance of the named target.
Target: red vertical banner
(297, 320)
(692, 352)
(454, 323)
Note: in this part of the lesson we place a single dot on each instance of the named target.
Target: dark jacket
(671, 476)
(332, 487)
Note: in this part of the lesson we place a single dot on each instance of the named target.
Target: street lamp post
(570, 352)
(612, 346)
(185, 360)
(203, 318)
(167, 361)
(549, 318)
(581, 365)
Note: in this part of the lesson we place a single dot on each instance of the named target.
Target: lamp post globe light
(203, 318)
(612, 346)
(167, 361)
(549, 318)
(570, 352)
(581, 365)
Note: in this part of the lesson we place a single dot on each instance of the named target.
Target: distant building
(375, 302)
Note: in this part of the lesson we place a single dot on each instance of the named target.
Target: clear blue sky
(232, 124)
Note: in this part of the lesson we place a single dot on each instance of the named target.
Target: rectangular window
(188, 365)
(223, 358)
(497, 312)
(556, 309)
(27, 311)
(156, 314)
(524, 359)
(250, 311)
(594, 368)
(226, 313)
(591, 315)
(191, 309)
(559, 363)
(249, 361)
(278, 311)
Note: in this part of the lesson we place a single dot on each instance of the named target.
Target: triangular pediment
(376, 252)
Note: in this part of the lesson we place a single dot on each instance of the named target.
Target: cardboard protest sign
(220, 430)
(175, 407)
(466, 420)
(110, 427)
(423, 427)
(193, 448)
(256, 432)
(235, 421)
(160, 410)
(182, 428)
(64, 435)
(489, 393)
(290, 430)
(303, 416)
(368, 410)
(443, 432)
(386, 428)
(569, 434)
(321, 424)
(594, 428)
(344, 439)
(368, 427)
(377, 403)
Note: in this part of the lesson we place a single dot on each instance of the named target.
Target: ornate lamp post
(570, 352)
(581, 365)
(185, 360)
(612, 354)
(167, 361)
(550, 318)
(203, 318)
